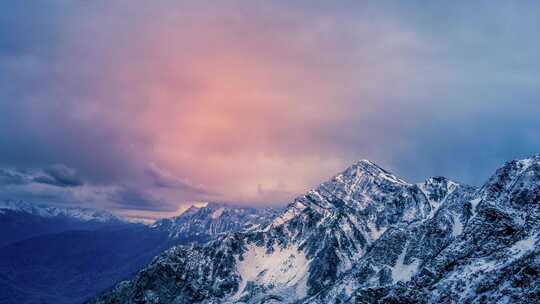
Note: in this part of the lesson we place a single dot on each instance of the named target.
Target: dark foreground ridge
(366, 236)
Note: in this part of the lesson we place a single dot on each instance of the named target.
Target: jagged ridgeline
(367, 236)
(201, 224)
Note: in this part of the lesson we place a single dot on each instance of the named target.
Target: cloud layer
(149, 107)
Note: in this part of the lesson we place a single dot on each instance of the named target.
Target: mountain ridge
(82, 214)
(204, 223)
(52, 255)
(365, 236)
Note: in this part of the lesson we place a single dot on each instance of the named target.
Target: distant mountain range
(367, 236)
(66, 255)
(80, 214)
(200, 224)
(20, 220)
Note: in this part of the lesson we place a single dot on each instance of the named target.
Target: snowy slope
(366, 236)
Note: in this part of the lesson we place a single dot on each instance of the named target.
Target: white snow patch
(349, 287)
(457, 226)
(410, 215)
(284, 268)
(217, 213)
(289, 214)
(520, 248)
(346, 227)
(474, 204)
(481, 265)
(432, 203)
(393, 179)
(339, 178)
(317, 194)
(525, 163)
(374, 232)
(434, 207)
(475, 267)
(402, 272)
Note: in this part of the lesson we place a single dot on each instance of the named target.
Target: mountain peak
(367, 165)
(438, 182)
(364, 167)
(192, 209)
(513, 177)
(527, 163)
(519, 166)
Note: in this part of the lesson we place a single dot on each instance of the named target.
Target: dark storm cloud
(52, 185)
(12, 177)
(56, 175)
(61, 185)
(163, 179)
(60, 176)
(133, 199)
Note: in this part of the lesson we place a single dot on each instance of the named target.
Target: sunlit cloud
(255, 102)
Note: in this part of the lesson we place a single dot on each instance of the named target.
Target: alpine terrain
(200, 224)
(367, 236)
(67, 255)
(21, 220)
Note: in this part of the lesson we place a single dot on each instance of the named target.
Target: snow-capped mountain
(200, 224)
(21, 220)
(82, 214)
(366, 236)
(73, 254)
(496, 258)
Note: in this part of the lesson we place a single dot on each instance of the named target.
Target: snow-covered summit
(366, 167)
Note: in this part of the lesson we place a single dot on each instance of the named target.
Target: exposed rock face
(366, 236)
(201, 224)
